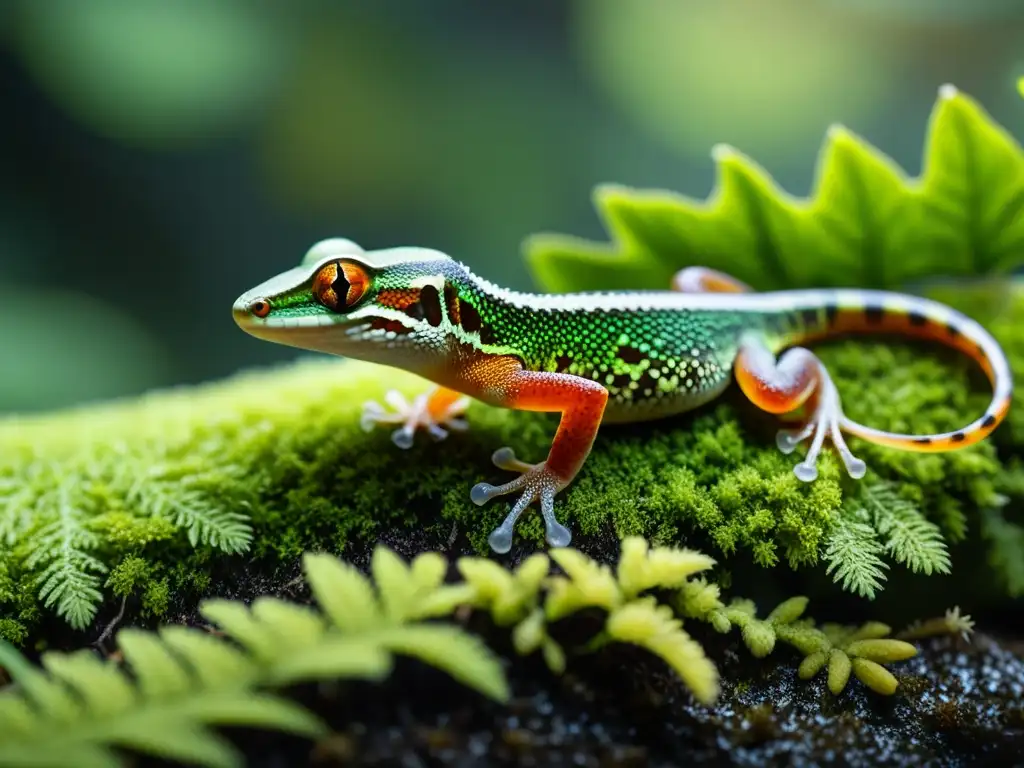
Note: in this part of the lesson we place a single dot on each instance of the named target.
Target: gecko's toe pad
(825, 422)
(412, 416)
(538, 484)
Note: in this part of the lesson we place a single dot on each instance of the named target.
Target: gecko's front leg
(581, 403)
(437, 411)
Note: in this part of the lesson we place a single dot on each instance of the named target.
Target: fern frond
(587, 584)
(184, 681)
(651, 626)
(910, 538)
(98, 708)
(641, 568)
(193, 511)
(852, 555)
(61, 549)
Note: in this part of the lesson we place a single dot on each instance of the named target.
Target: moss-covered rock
(253, 471)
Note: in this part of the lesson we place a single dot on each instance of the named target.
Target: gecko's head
(344, 300)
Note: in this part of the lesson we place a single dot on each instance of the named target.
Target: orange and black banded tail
(828, 313)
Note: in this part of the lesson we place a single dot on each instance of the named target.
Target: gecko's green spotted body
(594, 357)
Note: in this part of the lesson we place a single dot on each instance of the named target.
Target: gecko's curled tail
(859, 311)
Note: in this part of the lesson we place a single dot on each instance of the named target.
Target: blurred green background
(159, 158)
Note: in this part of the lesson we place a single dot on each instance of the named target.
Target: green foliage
(866, 223)
(136, 575)
(528, 599)
(184, 681)
(165, 691)
(876, 520)
(861, 651)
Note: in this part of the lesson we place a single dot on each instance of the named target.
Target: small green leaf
(812, 664)
(805, 639)
(254, 711)
(428, 571)
(345, 595)
(838, 671)
(852, 553)
(529, 634)
(463, 656)
(788, 611)
(394, 583)
(213, 661)
(875, 676)
(236, 621)
(554, 656)
(50, 696)
(869, 630)
(295, 626)
(102, 687)
(58, 756)
(175, 740)
(332, 658)
(759, 637)
(882, 650)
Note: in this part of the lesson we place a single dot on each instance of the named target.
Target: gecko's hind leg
(795, 379)
(706, 280)
(436, 411)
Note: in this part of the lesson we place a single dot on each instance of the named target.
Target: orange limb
(440, 401)
(581, 403)
(786, 384)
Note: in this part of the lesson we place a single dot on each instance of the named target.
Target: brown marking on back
(631, 355)
(452, 305)
(430, 300)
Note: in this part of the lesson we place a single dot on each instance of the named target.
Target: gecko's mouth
(293, 330)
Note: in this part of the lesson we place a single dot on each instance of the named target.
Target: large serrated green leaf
(863, 204)
(865, 223)
(972, 190)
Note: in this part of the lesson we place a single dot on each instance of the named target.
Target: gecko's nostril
(259, 308)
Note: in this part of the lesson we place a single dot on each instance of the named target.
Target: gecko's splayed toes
(412, 416)
(824, 422)
(538, 484)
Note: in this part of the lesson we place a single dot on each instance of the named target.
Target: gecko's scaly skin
(595, 357)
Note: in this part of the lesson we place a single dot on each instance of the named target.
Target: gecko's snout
(247, 308)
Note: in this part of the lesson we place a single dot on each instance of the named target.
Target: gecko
(596, 357)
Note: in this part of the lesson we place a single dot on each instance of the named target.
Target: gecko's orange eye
(260, 308)
(340, 285)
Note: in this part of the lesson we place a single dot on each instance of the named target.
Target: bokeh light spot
(767, 78)
(147, 72)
